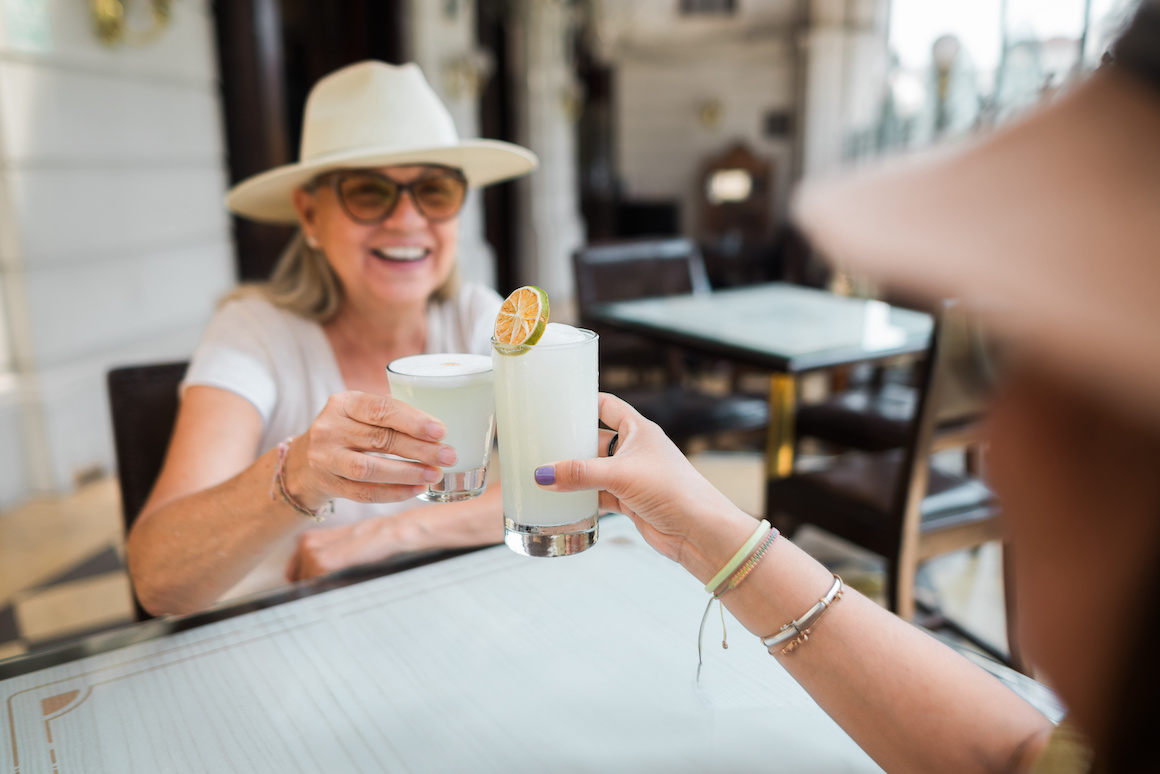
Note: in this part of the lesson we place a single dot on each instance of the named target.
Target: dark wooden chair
(647, 268)
(625, 270)
(896, 504)
(877, 413)
(143, 401)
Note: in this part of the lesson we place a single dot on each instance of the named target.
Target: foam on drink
(559, 333)
(441, 366)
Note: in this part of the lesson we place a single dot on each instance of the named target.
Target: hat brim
(266, 197)
(1048, 229)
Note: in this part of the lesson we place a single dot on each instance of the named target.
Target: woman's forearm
(186, 553)
(908, 700)
(447, 525)
(474, 522)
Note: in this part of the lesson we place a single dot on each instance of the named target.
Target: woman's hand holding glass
(338, 455)
(650, 481)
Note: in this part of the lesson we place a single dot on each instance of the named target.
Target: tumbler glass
(457, 390)
(546, 407)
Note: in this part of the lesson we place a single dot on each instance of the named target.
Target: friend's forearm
(188, 552)
(465, 524)
(905, 698)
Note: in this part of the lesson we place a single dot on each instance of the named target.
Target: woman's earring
(311, 242)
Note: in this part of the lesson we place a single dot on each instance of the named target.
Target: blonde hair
(303, 282)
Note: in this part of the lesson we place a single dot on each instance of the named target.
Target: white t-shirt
(284, 365)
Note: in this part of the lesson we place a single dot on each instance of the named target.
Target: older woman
(1049, 229)
(286, 411)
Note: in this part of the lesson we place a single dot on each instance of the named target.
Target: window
(729, 185)
(958, 68)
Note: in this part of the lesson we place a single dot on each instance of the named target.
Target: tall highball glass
(546, 409)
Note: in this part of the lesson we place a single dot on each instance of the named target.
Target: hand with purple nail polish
(647, 479)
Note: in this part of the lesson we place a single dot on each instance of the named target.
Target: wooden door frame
(269, 54)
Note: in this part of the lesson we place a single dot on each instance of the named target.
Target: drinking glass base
(556, 540)
(457, 486)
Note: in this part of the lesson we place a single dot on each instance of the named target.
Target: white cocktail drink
(546, 409)
(457, 390)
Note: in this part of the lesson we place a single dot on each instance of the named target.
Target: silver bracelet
(796, 632)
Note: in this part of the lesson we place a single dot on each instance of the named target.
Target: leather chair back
(143, 401)
(644, 268)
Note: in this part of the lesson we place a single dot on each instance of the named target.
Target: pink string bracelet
(278, 485)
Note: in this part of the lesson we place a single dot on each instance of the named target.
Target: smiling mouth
(402, 254)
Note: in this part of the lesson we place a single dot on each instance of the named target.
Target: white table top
(780, 326)
(486, 662)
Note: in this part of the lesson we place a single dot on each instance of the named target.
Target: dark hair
(1132, 746)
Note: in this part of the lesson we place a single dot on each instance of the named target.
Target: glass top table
(787, 329)
(485, 661)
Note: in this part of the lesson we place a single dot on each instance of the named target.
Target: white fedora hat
(1049, 229)
(373, 114)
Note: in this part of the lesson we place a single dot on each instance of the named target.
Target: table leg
(779, 441)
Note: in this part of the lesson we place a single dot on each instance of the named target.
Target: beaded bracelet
(743, 571)
(734, 576)
(731, 566)
(798, 631)
(278, 483)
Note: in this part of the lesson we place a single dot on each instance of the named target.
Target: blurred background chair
(894, 503)
(664, 386)
(877, 410)
(143, 401)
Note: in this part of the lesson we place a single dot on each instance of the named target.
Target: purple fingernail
(546, 476)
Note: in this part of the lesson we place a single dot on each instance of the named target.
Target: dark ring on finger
(612, 443)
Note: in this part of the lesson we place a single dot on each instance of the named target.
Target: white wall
(750, 63)
(669, 66)
(114, 244)
(662, 142)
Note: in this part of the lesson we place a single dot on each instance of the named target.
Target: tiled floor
(61, 569)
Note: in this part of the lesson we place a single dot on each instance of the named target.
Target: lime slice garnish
(521, 320)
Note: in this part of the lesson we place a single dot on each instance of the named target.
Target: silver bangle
(796, 632)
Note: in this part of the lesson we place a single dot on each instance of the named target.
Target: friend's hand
(647, 479)
(326, 549)
(330, 459)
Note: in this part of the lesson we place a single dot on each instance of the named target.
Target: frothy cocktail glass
(546, 407)
(457, 390)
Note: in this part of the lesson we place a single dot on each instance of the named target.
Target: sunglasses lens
(368, 198)
(440, 196)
